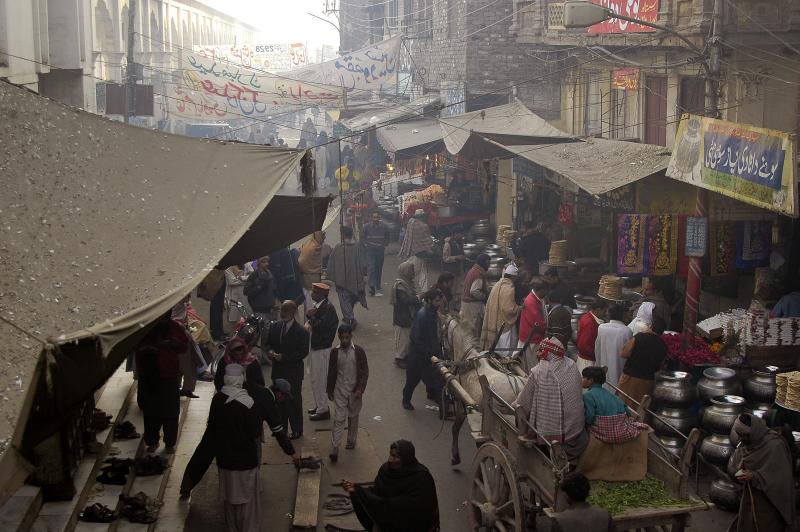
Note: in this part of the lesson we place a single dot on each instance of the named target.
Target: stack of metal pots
(718, 389)
(759, 390)
(674, 394)
(497, 260)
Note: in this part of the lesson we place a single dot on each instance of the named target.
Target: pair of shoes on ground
(320, 417)
(115, 472)
(138, 508)
(126, 431)
(150, 465)
(98, 513)
(100, 420)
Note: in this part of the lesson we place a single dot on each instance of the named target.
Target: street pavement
(382, 421)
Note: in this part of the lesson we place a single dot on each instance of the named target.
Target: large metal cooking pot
(725, 494)
(481, 242)
(482, 228)
(717, 449)
(716, 382)
(720, 415)
(756, 409)
(760, 386)
(674, 388)
(495, 248)
(672, 444)
(678, 418)
(574, 321)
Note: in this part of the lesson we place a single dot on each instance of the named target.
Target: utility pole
(713, 82)
(130, 89)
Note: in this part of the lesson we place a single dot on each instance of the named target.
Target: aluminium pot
(671, 444)
(495, 270)
(725, 494)
(678, 418)
(482, 228)
(756, 409)
(674, 388)
(720, 415)
(495, 248)
(716, 382)
(717, 449)
(481, 242)
(760, 386)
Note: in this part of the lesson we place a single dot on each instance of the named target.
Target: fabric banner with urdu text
(751, 164)
(260, 56)
(662, 244)
(244, 92)
(372, 68)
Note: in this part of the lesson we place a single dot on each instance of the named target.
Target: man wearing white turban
(502, 312)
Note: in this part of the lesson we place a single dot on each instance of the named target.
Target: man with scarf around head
(501, 313)
(552, 401)
(476, 290)
(405, 303)
(233, 430)
(402, 498)
(762, 462)
(322, 324)
(286, 343)
(347, 380)
(238, 352)
(424, 343)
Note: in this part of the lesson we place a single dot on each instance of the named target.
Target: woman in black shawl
(403, 497)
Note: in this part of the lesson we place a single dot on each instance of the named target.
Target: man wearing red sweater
(587, 332)
(532, 324)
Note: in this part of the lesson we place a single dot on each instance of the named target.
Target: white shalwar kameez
(611, 338)
(347, 405)
(319, 378)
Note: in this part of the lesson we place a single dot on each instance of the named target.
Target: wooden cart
(513, 481)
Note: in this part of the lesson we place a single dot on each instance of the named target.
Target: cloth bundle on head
(551, 347)
(234, 380)
(238, 352)
(404, 281)
(283, 386)
(511, 269)
(644, 318)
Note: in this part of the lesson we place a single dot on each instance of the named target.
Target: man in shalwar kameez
(234, 427)
(552, 401)
(347, 380)
(502, 312)
(322, 323)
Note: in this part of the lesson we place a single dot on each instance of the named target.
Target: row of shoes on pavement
(117, 469)
(126, 431)
(138, 508)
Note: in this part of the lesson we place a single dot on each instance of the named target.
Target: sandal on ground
(150, 465)
(143, 517)
(113, 477)
(97, 513)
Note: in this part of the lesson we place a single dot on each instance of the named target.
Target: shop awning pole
(694, 279)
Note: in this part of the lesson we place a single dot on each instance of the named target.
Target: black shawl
(401, 500)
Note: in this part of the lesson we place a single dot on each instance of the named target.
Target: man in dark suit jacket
(287, 346)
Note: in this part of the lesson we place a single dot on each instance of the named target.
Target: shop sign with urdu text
(751, 164)
(646, 10)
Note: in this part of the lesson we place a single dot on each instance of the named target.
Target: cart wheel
(495, 499)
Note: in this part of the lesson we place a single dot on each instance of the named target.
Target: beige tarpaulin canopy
(415, 138)
(597, 165)
(104, 228)
(508, 124)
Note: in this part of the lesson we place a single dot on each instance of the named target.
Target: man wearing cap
(551, 402)
(287, 345)
(417, 244)
(347, 379)
(321, 325)
(502, 312)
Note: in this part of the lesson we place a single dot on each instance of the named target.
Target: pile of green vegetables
(616, 497)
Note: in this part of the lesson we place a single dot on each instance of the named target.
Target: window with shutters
(593, 106)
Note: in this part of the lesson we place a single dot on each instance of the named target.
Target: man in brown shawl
(310, 262)
(762, 461)
(501, 313)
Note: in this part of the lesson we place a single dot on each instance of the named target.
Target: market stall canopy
(510, 124)
(597, 165)
(105, 227)
(411, 139)
(296, 216)
(395, 112)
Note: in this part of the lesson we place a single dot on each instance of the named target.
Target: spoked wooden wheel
(495, 498)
